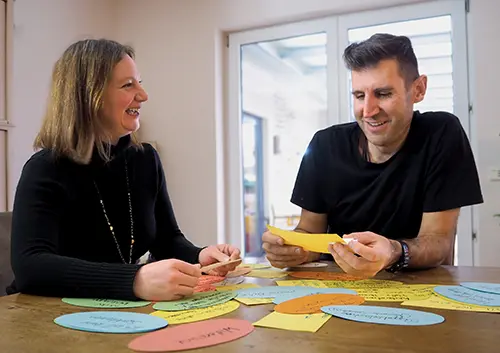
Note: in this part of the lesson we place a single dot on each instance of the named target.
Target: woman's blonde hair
(72, 126)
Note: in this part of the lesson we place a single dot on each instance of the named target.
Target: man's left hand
(375, 253)
(219, 253)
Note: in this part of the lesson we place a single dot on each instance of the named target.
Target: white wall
(43, 29)
(484, 29)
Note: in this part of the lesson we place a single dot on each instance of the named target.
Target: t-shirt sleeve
(452, 180)
(307, 192)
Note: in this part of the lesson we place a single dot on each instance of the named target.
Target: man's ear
(419, 88)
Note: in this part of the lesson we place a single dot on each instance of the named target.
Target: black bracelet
(403, 261)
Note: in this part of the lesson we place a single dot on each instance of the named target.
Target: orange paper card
(192, 336)
(331, 276)
(205, 280)
(204, 288)
(311, 304)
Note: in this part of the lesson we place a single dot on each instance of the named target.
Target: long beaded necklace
(131, 218)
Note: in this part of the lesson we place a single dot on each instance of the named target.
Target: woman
(94, 200)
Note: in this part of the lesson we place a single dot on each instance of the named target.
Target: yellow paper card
(183, 316)
(311, 242)
(254, 301)
(293, 322)
(237, 286)
(267, 274)
(303, 283)
(437, 302)
(395, 294)
(363, 283)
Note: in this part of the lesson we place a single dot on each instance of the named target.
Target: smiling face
(383, 103)
(122, 99)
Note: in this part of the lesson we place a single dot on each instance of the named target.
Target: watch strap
(404, 259)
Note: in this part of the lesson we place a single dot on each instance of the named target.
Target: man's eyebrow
(376, 90)
(384, 89)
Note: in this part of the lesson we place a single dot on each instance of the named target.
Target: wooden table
(26, 325)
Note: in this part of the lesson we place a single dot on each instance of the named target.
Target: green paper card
(197, 300)
(104, 303)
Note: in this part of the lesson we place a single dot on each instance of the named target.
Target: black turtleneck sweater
(61, 243)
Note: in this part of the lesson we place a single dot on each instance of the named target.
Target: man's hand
(280, 255)
(375, 253)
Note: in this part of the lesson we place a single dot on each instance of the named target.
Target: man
(393, 183)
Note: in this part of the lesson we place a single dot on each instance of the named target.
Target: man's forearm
(428, 250)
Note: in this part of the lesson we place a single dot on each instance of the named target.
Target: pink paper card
(191, 336)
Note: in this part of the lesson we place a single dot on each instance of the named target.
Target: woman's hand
(219, 253)
(166, 280)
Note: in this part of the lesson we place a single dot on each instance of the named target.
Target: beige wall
(43, 29)
(180, 54)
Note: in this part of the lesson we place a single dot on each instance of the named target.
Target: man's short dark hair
(383, 46)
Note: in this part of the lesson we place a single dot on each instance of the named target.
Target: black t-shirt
(433, 171)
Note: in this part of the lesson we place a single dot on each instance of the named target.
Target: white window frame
(457, 11)
(336, 28)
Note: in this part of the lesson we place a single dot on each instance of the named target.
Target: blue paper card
(289, 296)
(483, 287)
(111, 322)
(383, 315)
(272, 291)
(469, 296)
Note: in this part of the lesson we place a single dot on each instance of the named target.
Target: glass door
(282, 93)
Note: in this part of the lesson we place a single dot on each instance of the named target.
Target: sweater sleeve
(39, 269)
(170, 242)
